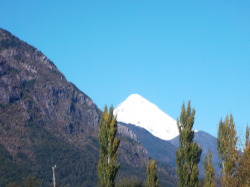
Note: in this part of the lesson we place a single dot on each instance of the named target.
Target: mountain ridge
(46, 120)
(158, 149)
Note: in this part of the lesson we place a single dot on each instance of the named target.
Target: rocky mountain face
(45, 120)
(125, 131)
(158, 149)
(31, 85)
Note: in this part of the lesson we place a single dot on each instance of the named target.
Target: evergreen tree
(152, 179)
(247, 141)
(243, 174)
(13, 184)
(226, 142)
(209, 171)
(188, 153)
(107, 166)
(31, 181)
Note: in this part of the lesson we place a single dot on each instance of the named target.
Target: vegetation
(188, 153)
(131, 182)
(152, 179)
(44, 121)
(107, 166)
(75, 167)
(13, 184)
(226, 142)
(243, 174)
(209, 180)
(235, 165)
(10, 171)
(31, 181)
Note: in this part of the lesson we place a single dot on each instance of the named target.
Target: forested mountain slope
(45, 120)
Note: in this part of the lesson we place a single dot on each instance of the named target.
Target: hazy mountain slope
(138, 111)
(158, 149)
(208, 143)
(45, 120)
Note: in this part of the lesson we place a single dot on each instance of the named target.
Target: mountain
(208, 143)
(156, 131)
(46, 120)
(158, 149)
(140, 112)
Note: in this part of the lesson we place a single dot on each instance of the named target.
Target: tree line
(235, 164)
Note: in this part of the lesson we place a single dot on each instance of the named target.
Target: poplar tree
(209, 171)
(228, 154)
(244, 164)
(247, 141)
(152, 179)
(188, 153)
(107, 165)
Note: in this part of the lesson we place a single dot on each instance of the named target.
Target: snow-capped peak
(138, 111)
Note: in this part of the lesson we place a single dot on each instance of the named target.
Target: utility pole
(54, 177)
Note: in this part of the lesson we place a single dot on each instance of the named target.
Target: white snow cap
(140, 112)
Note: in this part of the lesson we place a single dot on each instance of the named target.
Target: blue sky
(168, 51)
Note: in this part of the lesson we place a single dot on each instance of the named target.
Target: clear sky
(168, 51)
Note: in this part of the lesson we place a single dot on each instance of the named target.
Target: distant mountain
(154, 129)
(208, 143)
(161, 150)
(140, 112)
(46, 120)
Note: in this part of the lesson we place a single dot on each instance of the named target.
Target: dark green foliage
(5, 43)
(13, 184)
(152, 179)
(29, 84)
(75, 167)
(10, 169)
(247, 141)
(209, 171)
(129, 182)
(107, 166)
(31, 181)
(226, 142)
(188, 153)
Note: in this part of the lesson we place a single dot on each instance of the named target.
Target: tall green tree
(228, 154)
(209, 171)
(188, 153)
(109, 143)
(247, 141)
(243, 174)
(152, 179)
